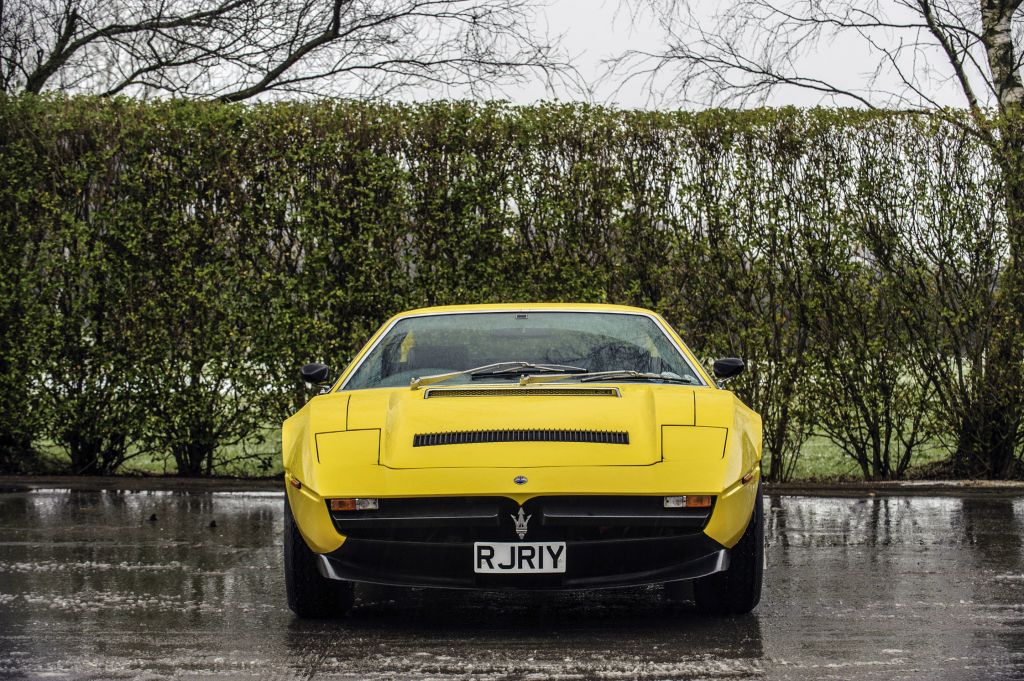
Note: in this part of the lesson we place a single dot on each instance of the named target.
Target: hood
(515, 427)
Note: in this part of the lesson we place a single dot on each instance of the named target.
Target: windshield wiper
(604, 375)
(544, 373)
(520, 368)
(498, 369)
(636, 375)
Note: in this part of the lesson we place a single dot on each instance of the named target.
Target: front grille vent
(521, 392)
(466, 437)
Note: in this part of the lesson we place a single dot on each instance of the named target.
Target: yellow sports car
(523, 447)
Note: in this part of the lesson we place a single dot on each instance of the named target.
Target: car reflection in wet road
(878, 588)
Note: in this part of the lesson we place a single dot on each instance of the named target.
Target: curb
(26, 483)
(902, 488)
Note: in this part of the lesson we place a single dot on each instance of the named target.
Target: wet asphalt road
(876, 588)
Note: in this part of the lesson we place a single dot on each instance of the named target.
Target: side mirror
(316, 373)
(728, 367)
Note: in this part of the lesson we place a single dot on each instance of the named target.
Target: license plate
(519, 557)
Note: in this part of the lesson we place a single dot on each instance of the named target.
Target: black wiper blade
(497, 369)
(421, 381)
(636, 375)
(520, 368)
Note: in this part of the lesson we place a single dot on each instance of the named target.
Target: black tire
(737, 590)
(310, 595)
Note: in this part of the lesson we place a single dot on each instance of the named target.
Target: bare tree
(744, 51)
(910, 52)
(233, 50)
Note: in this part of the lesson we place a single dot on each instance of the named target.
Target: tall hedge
(167, 266)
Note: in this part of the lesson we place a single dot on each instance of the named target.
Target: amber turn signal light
(691, 501)
(354, 505)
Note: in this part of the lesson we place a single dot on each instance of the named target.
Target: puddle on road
(882, 588)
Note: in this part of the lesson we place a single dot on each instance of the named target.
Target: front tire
(737, 590)
(310, 595)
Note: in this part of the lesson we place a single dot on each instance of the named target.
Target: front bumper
(589, 565)
(610, 541)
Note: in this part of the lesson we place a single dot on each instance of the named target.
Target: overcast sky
(594, 30)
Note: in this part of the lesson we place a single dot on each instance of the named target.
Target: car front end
(516, 475)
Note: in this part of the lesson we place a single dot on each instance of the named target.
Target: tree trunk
(996, 439)
(84, 455)
(16, 453)
(1004, 396)
(985, 439)
(189, 458)
(776, 445)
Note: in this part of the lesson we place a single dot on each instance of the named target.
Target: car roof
(501, 307)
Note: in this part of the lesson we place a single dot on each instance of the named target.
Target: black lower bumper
(610, 540)
(589, 564)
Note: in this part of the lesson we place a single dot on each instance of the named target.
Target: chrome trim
(650, 316)
(600, 517)
(416, 519)
(326, 570)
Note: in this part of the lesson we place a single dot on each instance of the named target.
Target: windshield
(595, 341)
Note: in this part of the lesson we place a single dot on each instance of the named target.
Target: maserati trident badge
(521, 522)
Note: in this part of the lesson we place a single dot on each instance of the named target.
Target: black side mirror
(728, 367)
(316, 373)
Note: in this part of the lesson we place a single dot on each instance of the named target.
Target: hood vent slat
(465, 437)
(521, 392)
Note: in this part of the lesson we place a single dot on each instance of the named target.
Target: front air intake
(468, 437)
